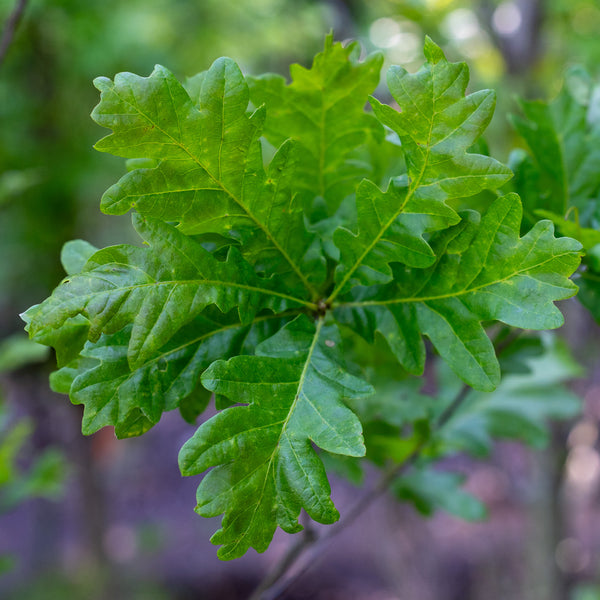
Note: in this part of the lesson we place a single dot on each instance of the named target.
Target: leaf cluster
(272, 236)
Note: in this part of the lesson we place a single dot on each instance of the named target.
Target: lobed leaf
(265, 469)
(485, 272)
(436, 124)
(133, 399)
(158, 289)
(563, 137)
(208, 174)
(323, 110)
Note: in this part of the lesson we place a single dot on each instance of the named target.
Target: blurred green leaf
(522, 405)
(18, 351)
(429, 490)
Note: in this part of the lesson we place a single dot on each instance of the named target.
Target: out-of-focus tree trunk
(522, 47)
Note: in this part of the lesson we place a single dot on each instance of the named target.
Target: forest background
(116, 518)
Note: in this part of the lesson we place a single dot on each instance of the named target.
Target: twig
(269, 589)
(273, 585)
(321, 543)
(284, 564)
(10, 27)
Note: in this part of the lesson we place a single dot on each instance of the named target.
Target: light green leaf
(521, 406)
(17, 351)
(75, 254)
(485, 272)
(323, 109)
(210, 175)
(436, 124)
(265, 469)
(430, 489)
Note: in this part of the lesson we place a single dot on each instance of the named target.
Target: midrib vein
(445, 296)
(237, 200)
(409, 195)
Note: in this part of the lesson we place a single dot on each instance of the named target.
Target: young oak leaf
(209, 175)
(158, 289)
(436, 124)
(323, 109)
(485, 272)
(265, 469)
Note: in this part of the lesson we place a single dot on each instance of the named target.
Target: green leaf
(75, 254)
(436, 124)
(132, 399)
(265, 469)
(484, 272)
(429, 489)
(159, 289)
(209, 176)
(17, 351)
(565, 148)
(323, 109)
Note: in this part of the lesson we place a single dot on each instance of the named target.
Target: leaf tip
(433, 53)
(102, 83)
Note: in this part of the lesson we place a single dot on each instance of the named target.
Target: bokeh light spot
(507, 19)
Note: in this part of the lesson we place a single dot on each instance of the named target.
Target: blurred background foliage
(51, 181)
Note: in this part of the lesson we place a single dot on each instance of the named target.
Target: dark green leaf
(210, 175)
(159, 289)
(484, 272)
(265, 469)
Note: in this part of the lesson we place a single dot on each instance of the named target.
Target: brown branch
(10, 27)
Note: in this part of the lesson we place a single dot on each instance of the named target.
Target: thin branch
(321, 543)
(10, 27)
(307, 538)
(274, 584)
(269, 589)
